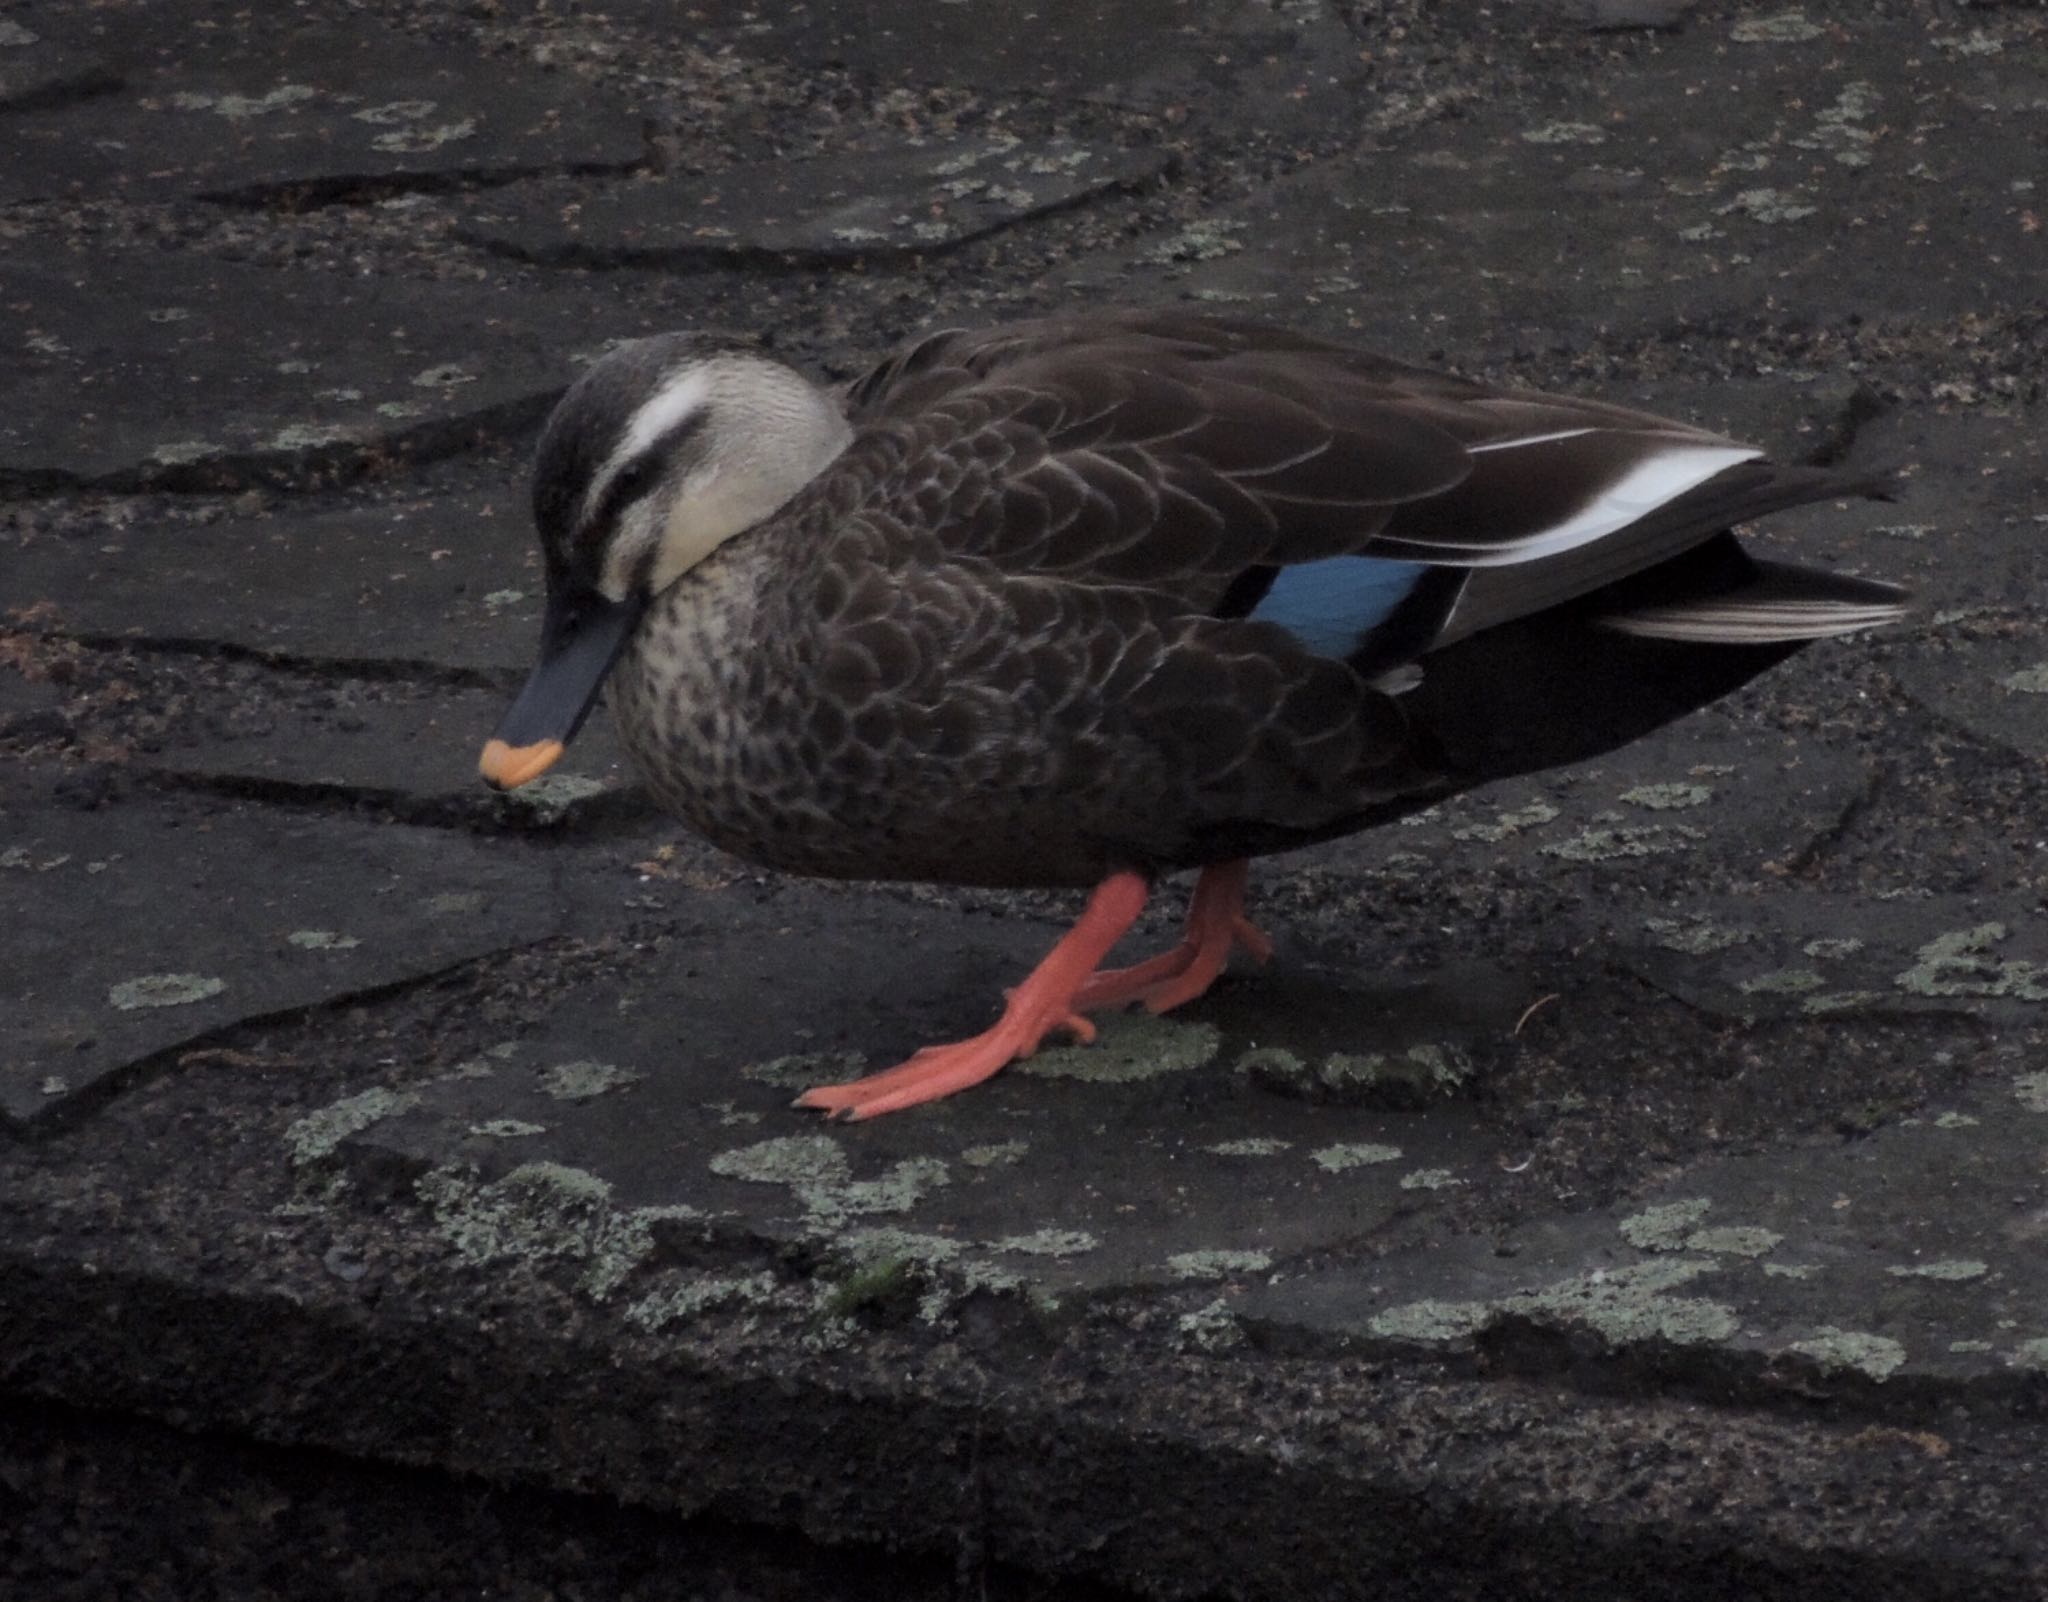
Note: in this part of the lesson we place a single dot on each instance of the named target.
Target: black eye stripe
(639, 475)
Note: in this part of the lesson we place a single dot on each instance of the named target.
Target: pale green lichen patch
(1964, 1348)
(1961, 963)
(1877, 1356)
(886, 1244)
(1048, 1243)
(1768, 206)
(1839, 1001)
(1668, 797)
(1956, 1120)
(1630, 1304)
(793, 1160)
(1673, 1227)
(1623, 843)
(1250, 1146)
(1783, 982)
(1734, 1240)
(1129, 1049)
(816, 1171)
(689, 1298)
(1566, 133)
(2031, 1354)
(1408, 1079)
(322, 940)
(888, 1260)
(318, 1134)
(1696, 937)
(1430, 1179)
(1000, 1154)
(1621, 1305)
(586, 1081)
(164, 990)
(1948, 1268)
(545, 1213)
(1210, 1328)
(1353, 1154)
(309, 436)
(1506, 824)
(238, 107)
(456, 903)
(1790, 1270)
(2032, 1091)
(1218, 1264)
(552, 794)
(1836, 130)
(1830, 950)
(1664, 1228)
(1202, 241)
(506, 1129)
(803, 1069)
(2028, 681)
(1431, 1322)
(1780, 27)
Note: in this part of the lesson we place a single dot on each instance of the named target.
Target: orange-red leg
(1042, 1003)
(1216, 923)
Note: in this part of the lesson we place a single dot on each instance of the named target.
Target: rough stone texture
(916, 200)
(149, 928)
(1624, 1182)
(230, 104)
(190, 372)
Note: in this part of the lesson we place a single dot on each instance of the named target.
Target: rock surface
(1624, 1182)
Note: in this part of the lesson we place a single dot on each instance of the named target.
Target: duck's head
(661, 452)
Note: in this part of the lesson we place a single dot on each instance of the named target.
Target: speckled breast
(725, 708)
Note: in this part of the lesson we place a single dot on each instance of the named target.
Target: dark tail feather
(1739, 495)
(1582, 679)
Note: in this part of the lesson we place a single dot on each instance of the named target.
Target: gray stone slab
(903, 200)
(1711, 796)
(37, 71)
(1902, 1258)
(1626, 16)
(1987, 674)
(1152, 54)
(1970, 528)
(1841, 173)
(413, 755)
(1291, 1115)
(1820, 955)
(138, 928)
(442, 583)
(153, 369)
(388, 616)
(235, 104)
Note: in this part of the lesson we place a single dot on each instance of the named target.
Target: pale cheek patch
(626, 557)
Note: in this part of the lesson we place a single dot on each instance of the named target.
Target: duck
(1088, 600)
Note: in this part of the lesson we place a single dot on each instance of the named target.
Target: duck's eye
(630, 483)
(635, 476)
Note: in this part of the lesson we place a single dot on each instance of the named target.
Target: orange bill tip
(507, 767)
